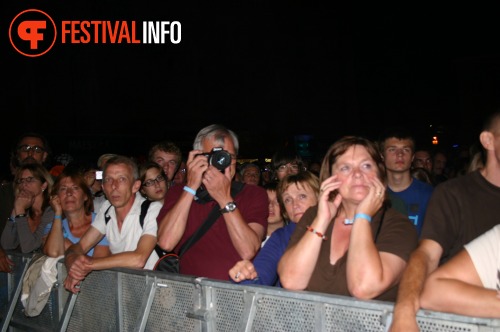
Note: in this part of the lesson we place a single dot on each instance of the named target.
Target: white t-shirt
(131, 231)
(485, 254)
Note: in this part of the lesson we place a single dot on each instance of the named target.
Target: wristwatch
(230, 207)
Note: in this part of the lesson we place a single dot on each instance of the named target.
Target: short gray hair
(220, 132)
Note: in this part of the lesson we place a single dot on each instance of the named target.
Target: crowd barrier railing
(139, 300)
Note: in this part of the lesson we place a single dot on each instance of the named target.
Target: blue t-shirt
(266, 261)
(416, 198)
(68, 235)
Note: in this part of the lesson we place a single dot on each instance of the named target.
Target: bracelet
(190, 190)
(363, 216)
(57, 216)
(312, 230)
(22, 215)
(356, 216)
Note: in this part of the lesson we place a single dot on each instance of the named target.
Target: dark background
(277, 74)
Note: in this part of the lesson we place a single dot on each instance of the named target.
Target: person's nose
(356, 172)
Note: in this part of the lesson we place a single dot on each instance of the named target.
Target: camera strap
(236, 187)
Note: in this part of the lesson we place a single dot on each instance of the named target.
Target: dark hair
(400, 133)
(285, 156)
(168, 147)
(490, 123)
(144, 168)
(271, 186)
(46, 147)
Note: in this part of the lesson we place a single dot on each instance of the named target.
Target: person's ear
(136, 186)
(486, 138)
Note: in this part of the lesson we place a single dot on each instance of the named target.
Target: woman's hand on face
(374, 199)
(327, 208)
(55, 202)
(24, 200)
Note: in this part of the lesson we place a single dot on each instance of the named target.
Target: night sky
(269, 71)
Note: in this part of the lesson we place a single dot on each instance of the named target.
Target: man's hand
(78, 266)
(243, 270)
(218, 185)
(72, 285)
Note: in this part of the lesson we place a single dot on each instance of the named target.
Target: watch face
(231, 206)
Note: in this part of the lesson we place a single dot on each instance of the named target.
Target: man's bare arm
(422, 262)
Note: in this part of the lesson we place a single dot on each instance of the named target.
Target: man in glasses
(286, 162)
(29, 148)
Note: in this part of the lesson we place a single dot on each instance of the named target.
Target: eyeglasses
(149, 183)
(292, 167)
(29, 179)
(28, 148)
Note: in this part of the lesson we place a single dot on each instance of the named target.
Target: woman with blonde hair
(31, 212)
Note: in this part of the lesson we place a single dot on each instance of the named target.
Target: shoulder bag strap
(144, 210)
(236, 187)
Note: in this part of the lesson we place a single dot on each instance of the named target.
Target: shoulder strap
(107, 218)
(144, 210)
(236, 187)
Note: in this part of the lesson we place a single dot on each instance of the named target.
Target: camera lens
(220, 159)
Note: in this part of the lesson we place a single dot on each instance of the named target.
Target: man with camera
(241, 224)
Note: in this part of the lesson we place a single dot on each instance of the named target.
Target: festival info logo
(33, 33)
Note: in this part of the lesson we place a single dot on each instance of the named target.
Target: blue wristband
(356, 216)
(363, 216)
(190, 190)
(57, 217)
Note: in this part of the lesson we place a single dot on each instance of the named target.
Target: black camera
(219, 158)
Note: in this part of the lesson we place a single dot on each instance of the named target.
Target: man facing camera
(131, 244)
(241, 225)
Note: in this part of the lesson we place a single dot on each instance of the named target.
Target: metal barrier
(139, 300)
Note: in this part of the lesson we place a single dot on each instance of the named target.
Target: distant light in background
(435, 140)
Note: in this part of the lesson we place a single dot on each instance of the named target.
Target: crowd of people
(374, 219)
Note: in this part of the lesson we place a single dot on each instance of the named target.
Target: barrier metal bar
(66, 314)
(140, 300)
(146, 304)
(14, 298)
